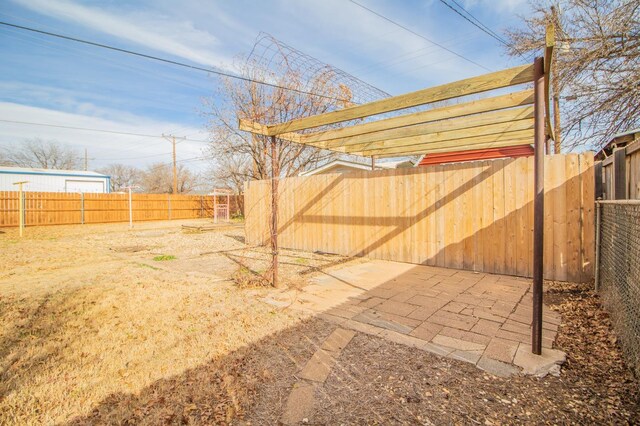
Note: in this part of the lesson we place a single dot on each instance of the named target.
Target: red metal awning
(477, 154)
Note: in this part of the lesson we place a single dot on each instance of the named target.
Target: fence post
(599, 190)
(24, 208)
(82, 208)
(201, 206)
(130, 210)
(169, 198)
(619, 174)
(21, 206)
(215, 207)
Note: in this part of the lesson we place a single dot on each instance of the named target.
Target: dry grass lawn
(100, 324)
(87, 312)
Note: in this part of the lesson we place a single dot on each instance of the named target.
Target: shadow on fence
(475, 216)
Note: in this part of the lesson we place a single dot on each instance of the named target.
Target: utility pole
(172, 139)
(86, 160)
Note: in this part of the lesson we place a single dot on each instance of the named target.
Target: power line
(134, 158)
(90, 129)
(477, 22)
(419, 35)
(407, 57)
(168, 61)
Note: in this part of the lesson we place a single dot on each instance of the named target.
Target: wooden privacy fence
(54, 208)
(475, 216)
(618, 176)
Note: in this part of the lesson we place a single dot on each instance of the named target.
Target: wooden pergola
(511, 119)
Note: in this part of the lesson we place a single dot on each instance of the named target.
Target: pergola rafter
(425, 140)
(499, 121)
(417, 132)
(465, 109)
(492, 140)
(478, 120)
(469, 86)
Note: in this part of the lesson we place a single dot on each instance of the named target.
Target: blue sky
(54, 81)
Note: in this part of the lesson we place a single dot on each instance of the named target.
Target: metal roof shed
(48, 180)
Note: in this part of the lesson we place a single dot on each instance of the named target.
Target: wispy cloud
(366, 38)
(159, 32)
(104, 147)
(496, 6)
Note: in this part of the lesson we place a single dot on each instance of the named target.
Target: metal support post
(538, 205)
(598, 238)
(274, 213)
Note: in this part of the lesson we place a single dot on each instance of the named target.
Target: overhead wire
(476, 24)
(480, 25)
(91, 129)
(109, 132)
(168, 61)
(52, 44)
(407, 57)
(419, 35)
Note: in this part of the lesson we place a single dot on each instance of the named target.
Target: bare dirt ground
(93, 330)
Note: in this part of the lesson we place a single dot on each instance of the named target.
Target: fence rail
(475, 216)
(618, 277)
(54, 208)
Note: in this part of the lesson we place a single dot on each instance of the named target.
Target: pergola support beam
(469, 86)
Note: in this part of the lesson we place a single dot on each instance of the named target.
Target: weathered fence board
(58, 208)
(621, 174)
(475, 216)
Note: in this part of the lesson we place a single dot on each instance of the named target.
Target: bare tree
(45, 154)
(598, 64)
(122, 176)
(158, 179)
(242, 156)
(3, 160)
(230, 173)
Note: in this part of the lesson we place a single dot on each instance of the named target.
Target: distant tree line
(156, 178)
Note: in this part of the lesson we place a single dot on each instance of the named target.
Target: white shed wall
(54, 183)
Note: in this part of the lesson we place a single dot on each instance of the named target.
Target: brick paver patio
(480, 318)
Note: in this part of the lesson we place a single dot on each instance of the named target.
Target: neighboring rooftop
(342, 166)
(30, 170)
(524, 150)
(618, 141)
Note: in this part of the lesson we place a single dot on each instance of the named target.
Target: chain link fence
(618, 275)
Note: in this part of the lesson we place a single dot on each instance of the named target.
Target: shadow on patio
(480, 318)
(366, 376)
